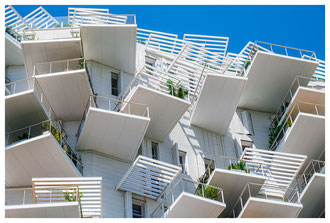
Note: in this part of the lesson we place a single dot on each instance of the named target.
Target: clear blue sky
(296, 26)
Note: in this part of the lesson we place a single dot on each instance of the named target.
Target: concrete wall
(15, 73)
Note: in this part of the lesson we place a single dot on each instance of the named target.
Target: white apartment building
(107, 119)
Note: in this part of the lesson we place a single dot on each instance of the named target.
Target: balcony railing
(111, 104)
(41, 128)
(142, 35)
(51, 34)
(278, 131)
(14, 34)
(189, 186)
(28, 84)
(314, 166)
(18, 196)
(297, 82)
(252, 190)
(59, 66)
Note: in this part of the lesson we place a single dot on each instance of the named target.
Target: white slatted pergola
(40, 19)
(148, 177)
(280, 168)
(89, 187)
(14, 20)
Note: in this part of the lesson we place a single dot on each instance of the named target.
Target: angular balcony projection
(148, 177)
(40, 150)
(26, 104)
(113, 127)
(187, 198)
(166, 98)
(13, 48)
(311, 186)
(271, 69)
(112, 45)
(47, 45)
(255, 203)
(67, 85)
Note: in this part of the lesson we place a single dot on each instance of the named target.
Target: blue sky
(296, 26)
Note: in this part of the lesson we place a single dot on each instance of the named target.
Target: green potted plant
(240, 166)
(81, 63)
(71, 196)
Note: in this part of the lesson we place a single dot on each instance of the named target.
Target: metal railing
(54, 33)
(189, 186)
(299, 81)
(278, 132)
(59, 66)
(111, 104)
(29, 84)
(14, 34)
(264, 192)
(314, 166)
(41, 128)
(142, 35)
(18, 196)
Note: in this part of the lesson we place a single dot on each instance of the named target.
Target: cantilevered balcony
(39, 150)
(26, 104)
(75, 197)
(47, 45)
(271, 69)
(149, 178)
(311, 186)
(163, 94)
(186, 198)
(67, 85)
(113, 127)
(254, 202)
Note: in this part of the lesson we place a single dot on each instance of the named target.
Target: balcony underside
(112, 45)
(194, 206)
(306, 136)
(67, 92)
(13, 52)
(270, 77)
(262, 208)
(47, 210)
(313, 197)
(41, 51)
(165, 110)
(217, 102)
(40, 156)
(232, 182)
(23, 109)
(308, 95)
(113, 133)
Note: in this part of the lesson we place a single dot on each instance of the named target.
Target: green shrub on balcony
(71, 196)
(241, 165)
(179, 92)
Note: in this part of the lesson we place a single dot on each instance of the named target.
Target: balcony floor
(165, 110)
(192, 206)
(270, 77)
(233, 182)
(313, 197)
(23, 109)
(40, 156)
(47, 210)
(67, 92)
(113, 133)
(217, 102)
(262, 208)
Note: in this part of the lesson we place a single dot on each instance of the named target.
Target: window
(154, 150)
(138, 208)
(114, 84)
(246, 144)
(182, 160)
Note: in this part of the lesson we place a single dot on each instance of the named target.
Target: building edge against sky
(107, 119)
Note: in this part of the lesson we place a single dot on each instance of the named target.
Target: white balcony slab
(306, 136)
(113, 133)
(217, 102)
(270, 76)
(48, 210)
(23, 109)
(112, 45)
(313, 197)
(40, 156)
(193, 206)
(266, 208)
(13, 55)
(233, 182)
(67, 92)
(308, 95)
(40, 51)
(165, 110)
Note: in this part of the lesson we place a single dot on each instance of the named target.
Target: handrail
(59, 66)
(278, 132)
(201, 190)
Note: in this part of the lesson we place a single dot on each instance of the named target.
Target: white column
(128, 205)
